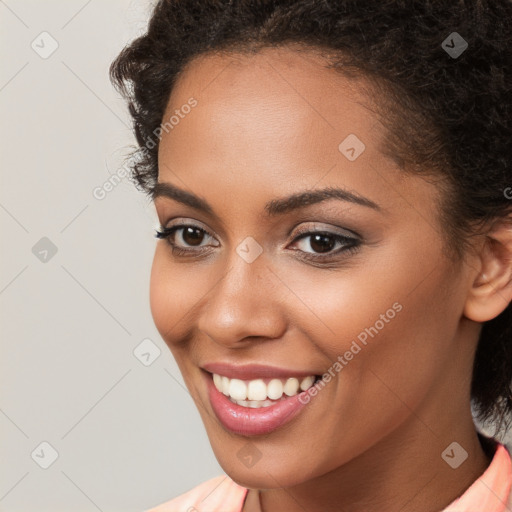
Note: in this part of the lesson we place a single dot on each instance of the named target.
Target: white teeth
(225, 386)
(307, 382)
(256, 390)
(217, 380)
(275, 389)
(254, 404)
(237, 389)
(291, 387)
(255, 393)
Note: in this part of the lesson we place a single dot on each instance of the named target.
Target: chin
(265, 473)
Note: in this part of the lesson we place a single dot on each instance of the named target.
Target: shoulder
(218, 493)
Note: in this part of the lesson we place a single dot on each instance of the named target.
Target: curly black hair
(447, 108)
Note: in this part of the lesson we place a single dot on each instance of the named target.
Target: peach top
(491, 492)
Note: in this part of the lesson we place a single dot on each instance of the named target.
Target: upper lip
(253, 371)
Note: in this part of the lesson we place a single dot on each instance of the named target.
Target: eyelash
(352, 244)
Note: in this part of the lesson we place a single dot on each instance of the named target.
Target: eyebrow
(274, 207)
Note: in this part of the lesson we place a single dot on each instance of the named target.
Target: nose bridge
(244, 301)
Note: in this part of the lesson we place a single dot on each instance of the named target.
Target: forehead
(280, 101)
(289, 83)
(275, 121)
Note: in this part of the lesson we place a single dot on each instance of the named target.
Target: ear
(491, 291)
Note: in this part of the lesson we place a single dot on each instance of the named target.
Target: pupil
(323, 243)
(192, 235)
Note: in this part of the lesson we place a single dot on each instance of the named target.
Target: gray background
(127, 435)
(125, 429)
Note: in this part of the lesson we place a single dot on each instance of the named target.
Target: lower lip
(249, 421)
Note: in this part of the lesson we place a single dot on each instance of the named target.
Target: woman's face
(372, 301)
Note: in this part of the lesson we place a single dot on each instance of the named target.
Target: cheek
(406, 343)
(162, 302)
(393, 328)
(169, 294)
(172, 297)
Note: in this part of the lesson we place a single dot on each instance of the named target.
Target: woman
(334, 269)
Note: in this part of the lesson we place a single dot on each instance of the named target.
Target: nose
(246, 304)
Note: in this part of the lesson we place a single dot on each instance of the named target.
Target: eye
(183, 235)
(324, 243)
(187, 240)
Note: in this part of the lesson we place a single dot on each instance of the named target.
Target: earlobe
(491, 290)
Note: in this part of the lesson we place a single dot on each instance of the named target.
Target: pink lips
(253, 371)
(248, 421)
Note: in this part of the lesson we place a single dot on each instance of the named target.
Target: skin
(266, 126)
